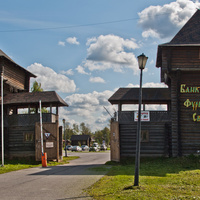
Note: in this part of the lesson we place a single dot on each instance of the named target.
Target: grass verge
(160, 178)
(18, 164)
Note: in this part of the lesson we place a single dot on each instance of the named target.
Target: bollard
(44, 159)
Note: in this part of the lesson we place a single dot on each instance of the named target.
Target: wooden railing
(28, 119)
(128, 116)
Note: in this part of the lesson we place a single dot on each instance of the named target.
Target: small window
(144, 136)
(28, 137)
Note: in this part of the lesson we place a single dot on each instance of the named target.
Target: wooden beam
(178, 73)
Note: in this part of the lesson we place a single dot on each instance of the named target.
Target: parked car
(69, 147)
(103, 147)
(94, 147)
(76, 148)
(85, 148)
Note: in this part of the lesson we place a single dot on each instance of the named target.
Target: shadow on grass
(155, 166)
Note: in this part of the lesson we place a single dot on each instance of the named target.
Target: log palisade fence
(155, 128)
(176, 132)
(157, 134)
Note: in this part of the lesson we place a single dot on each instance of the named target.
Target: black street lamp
(142, 59)
(65, 138)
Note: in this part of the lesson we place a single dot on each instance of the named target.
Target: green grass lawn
(160, 178)
(18, 164)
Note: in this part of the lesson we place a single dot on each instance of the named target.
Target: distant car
(69, 147)
(103, 147)
(76, 148)
(85, 148)
(94, 147)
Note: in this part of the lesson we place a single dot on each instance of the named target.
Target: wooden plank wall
(52, 151)
(114, 142)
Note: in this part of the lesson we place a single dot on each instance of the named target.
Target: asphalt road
(54, 183)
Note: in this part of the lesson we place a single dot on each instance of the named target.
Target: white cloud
(68, 72)
(81, 70)
(60, 43)
(164, 21)
(50, 80)
(96, 80)
(154, 85)
(72, 40)
(149, 85)
(89, 107)
(111, 52)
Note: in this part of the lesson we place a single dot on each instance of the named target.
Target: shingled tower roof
(3, 55)
(188, 36)
(190, 33)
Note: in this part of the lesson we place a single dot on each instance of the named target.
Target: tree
(68, 131)
(85, 129)
(36, 87)
(103, 135)
(75, 129)
(106, 135)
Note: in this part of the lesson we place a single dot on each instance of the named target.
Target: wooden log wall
(16, 127)
(189, 112)
(18, 147)
(182, 64)
(174, 115)
(15, 76)
(158, 134)
(185, 58)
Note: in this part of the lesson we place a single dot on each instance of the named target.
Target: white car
(69, 147)
(85, 148)
(94, 147)
(76, 148)
(103, 147)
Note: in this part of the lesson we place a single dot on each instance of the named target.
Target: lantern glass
(142, 60)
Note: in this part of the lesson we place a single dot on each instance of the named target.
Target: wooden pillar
(29, 109)
(15, 110)
(119, 107)
(50, 108)
(178, 73)
(56, 110)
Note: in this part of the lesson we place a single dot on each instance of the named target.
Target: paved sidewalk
(54, 183)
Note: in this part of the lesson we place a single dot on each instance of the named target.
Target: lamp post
(142, 59)
(65, 138)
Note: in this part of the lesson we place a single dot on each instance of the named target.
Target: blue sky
(86, 49)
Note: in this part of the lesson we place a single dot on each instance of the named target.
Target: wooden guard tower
(22, 131)
(175, 132)
(179, 61)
